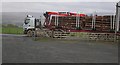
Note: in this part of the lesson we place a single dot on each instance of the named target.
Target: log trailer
(71, 22)
(74, 22)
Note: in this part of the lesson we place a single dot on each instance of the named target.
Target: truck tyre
(29, 33)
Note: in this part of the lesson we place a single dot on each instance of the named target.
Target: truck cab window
(27, 21)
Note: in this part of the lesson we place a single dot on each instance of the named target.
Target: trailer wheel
(29, 33)
(33, 34)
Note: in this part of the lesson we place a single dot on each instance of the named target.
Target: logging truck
(74, 22)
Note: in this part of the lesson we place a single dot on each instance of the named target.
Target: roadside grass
(10, 29)
(43, 39)
(69, 41)
(0, 29)
(80, 38)
(47, 39)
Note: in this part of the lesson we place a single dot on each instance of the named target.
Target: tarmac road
(21, 49)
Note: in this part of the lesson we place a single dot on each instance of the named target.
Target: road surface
(21, 49)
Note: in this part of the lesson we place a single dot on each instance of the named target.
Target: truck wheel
(29, 33)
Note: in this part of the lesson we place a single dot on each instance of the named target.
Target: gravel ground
(21, 49)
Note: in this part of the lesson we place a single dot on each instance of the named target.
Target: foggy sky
(15, 12)
(84, 7)
(60, 0)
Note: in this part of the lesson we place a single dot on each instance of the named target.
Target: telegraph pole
(117, 21)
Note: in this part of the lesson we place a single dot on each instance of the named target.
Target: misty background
(17, 18)
(15, 12)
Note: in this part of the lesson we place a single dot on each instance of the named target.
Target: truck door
(37, 23)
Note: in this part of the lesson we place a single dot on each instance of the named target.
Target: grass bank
(11, 29)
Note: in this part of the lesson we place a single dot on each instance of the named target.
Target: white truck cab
(30, 24)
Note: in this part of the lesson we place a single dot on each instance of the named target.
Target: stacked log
(88, 23)
(106, 23)
(66, 22)
(102, 23)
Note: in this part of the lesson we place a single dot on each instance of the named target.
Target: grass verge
(11, 30)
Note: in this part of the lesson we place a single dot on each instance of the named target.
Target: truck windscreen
(27, 21)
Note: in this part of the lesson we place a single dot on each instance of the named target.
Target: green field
(10, 29)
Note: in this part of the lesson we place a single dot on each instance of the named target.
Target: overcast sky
(59, 0)
(38, 7)
(85, 7)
